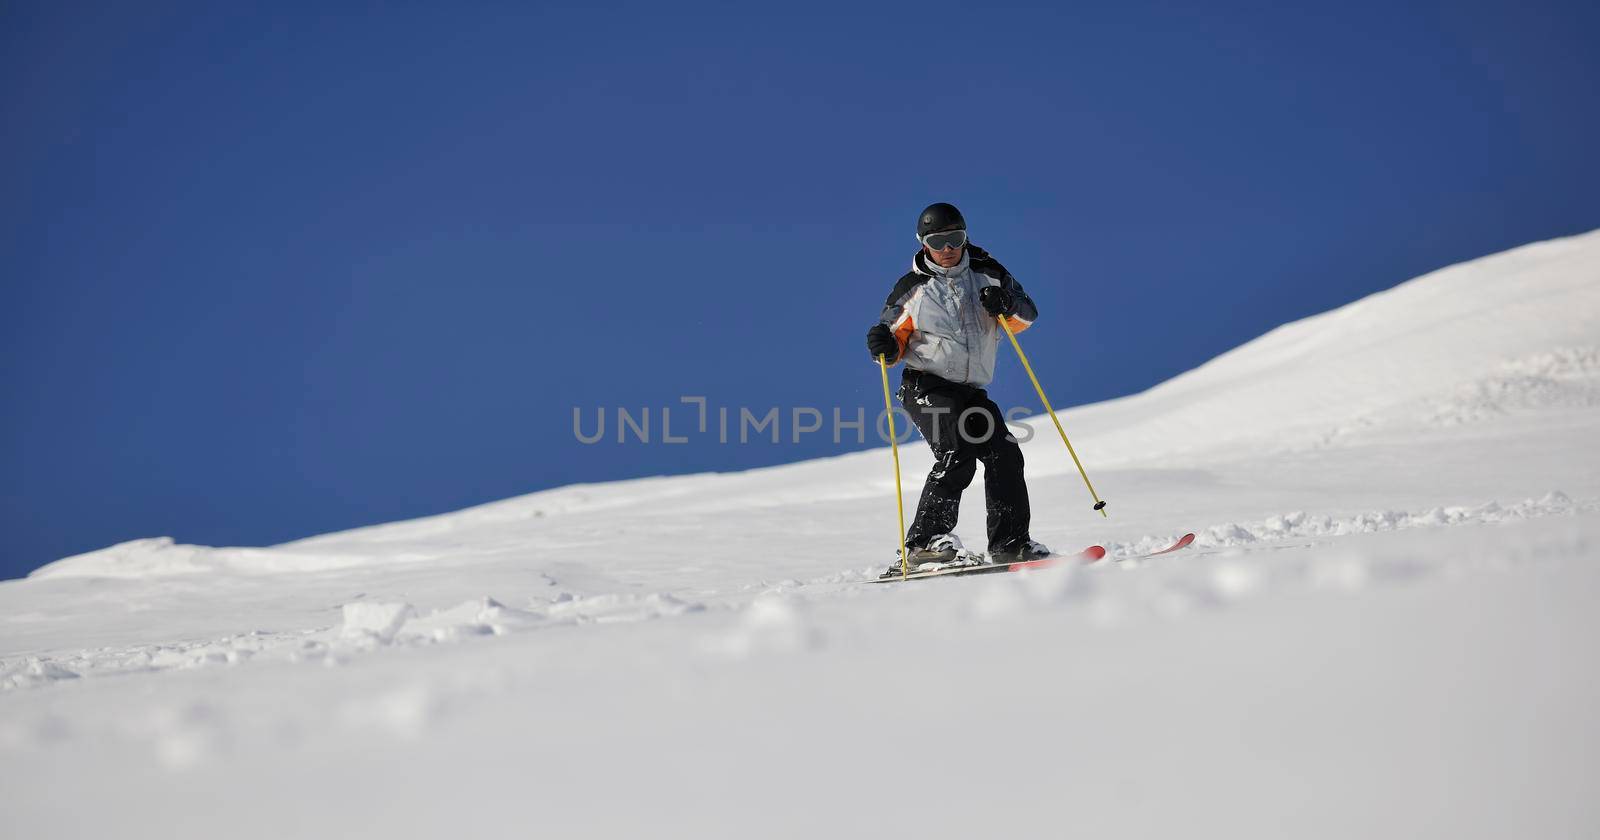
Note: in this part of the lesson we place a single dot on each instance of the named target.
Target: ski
(1088, 555)
(1182, 543)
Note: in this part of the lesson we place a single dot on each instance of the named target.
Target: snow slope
(1386, 627)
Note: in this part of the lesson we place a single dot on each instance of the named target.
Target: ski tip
(1182, 543)
(1094, 552)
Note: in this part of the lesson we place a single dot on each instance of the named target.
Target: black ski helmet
(939, 217)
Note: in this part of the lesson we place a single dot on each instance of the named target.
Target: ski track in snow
(366, 626)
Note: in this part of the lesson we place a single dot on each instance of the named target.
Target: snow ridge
(772, 622)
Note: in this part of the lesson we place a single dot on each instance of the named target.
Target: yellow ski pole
(1098, 504)
(894, 446)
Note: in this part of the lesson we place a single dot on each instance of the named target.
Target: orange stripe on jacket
(902, 333)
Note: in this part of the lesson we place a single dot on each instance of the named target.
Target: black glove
(880, 342)
(997, 300)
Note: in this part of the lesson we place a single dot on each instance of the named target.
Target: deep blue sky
(277, 271)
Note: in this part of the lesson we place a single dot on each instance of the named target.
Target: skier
(941, 320)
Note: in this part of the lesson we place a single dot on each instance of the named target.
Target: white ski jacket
(939, 323)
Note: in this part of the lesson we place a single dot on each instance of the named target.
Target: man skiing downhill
(941, 320)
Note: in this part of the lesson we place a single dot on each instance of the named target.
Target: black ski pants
(964, 426)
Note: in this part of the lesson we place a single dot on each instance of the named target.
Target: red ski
(1088, 555)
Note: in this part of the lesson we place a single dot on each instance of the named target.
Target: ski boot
(1029, 550)
(941, 552)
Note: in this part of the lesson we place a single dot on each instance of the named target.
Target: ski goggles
(945, 239)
